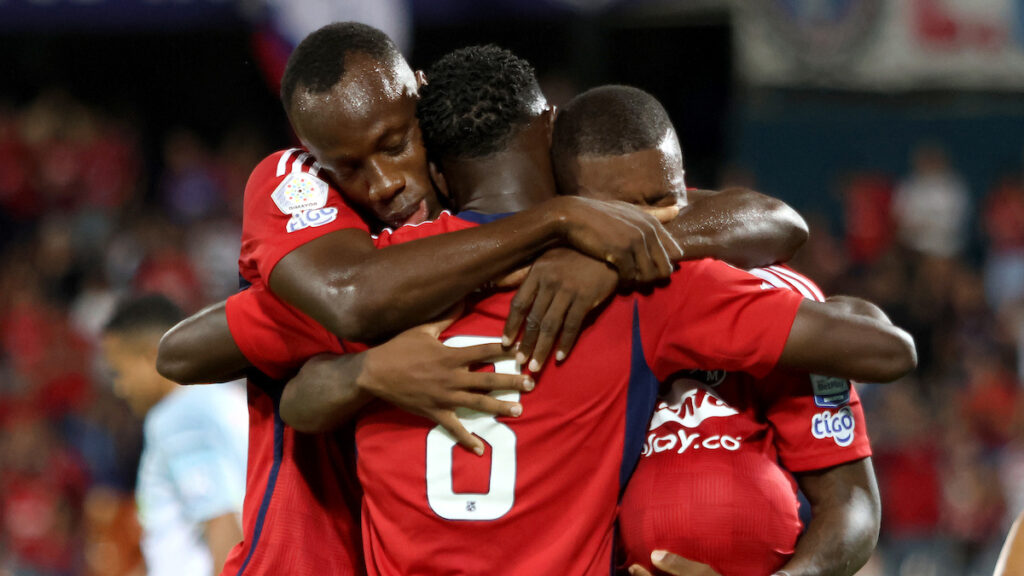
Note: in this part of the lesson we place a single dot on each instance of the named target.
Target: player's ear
(421, 79)
(439, 182)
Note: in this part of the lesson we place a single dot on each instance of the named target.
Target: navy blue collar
(480, 217)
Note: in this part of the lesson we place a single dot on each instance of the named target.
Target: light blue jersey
(192, 470)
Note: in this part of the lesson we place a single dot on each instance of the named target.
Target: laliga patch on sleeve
(829, 391)
(300, 191)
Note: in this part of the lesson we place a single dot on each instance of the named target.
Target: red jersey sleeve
(716, 317)
(818, 421)
(286, 205)
(274, 337)
(443, 224)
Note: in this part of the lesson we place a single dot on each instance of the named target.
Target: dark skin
(844, 499)
(365, 135)
(826, 338)
(201, 348)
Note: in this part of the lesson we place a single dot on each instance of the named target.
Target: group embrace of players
(695, 390)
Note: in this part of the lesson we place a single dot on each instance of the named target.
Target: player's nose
(384, 184)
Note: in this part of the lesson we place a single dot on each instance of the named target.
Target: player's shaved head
(608, 121)
(476, 100)
(319, 61)
(618, 143)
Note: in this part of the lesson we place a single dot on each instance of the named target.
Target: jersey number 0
(498, 500)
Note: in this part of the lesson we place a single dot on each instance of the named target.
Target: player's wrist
(558, 213)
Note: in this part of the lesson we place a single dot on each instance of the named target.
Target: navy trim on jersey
(243, 284)
(640, 400)
(481, 218)
(268, 492)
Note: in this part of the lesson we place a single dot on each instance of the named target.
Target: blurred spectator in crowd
(192, 472)
(931, 206)
(867, 199)
(1003, 225)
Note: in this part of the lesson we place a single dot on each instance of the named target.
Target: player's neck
(509, 180)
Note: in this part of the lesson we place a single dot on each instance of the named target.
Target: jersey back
(543, 498)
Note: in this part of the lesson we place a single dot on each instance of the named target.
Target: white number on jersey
(497, 501)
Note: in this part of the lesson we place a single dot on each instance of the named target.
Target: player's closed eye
(397, 148)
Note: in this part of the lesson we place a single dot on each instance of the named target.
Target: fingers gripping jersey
(709, 485)
(286, 205)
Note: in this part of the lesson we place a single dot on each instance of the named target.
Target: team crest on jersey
(312, 218)
(838, 425)
(707, 377)
(830, 392)
(300, 191)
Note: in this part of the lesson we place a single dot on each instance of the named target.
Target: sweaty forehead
(368, 84)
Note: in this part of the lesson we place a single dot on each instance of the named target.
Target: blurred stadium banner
(881, 44)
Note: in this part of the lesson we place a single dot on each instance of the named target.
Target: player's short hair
(318, 62)
(475, 100)
(608, 121)
(140, 314)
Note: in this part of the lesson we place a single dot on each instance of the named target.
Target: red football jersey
(301, 495)
(542, 499)
(709, 485)
(521, 508)
(286, 205)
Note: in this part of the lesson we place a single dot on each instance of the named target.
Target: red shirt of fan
(712, 483)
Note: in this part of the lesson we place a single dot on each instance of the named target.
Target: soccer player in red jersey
(709, 486)
(350, 97)
(292, 386)
(524, 508)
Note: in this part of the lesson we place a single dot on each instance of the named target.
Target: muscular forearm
(826, 339)
(844, 528)
(740, 226)
(377, 293)
(325, 393)
(200, 349)
(363, 294)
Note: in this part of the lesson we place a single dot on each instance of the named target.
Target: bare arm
(826, 338)
(363, 294)
(741, 226)
(412, 371)
(846, 515)
(221, 534)
(738, 225)
(200, 349)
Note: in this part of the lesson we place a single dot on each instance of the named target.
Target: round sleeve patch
(300, 191)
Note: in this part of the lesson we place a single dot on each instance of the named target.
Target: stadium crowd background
(123, 156)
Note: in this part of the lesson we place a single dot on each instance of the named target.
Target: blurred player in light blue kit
(192, 473)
